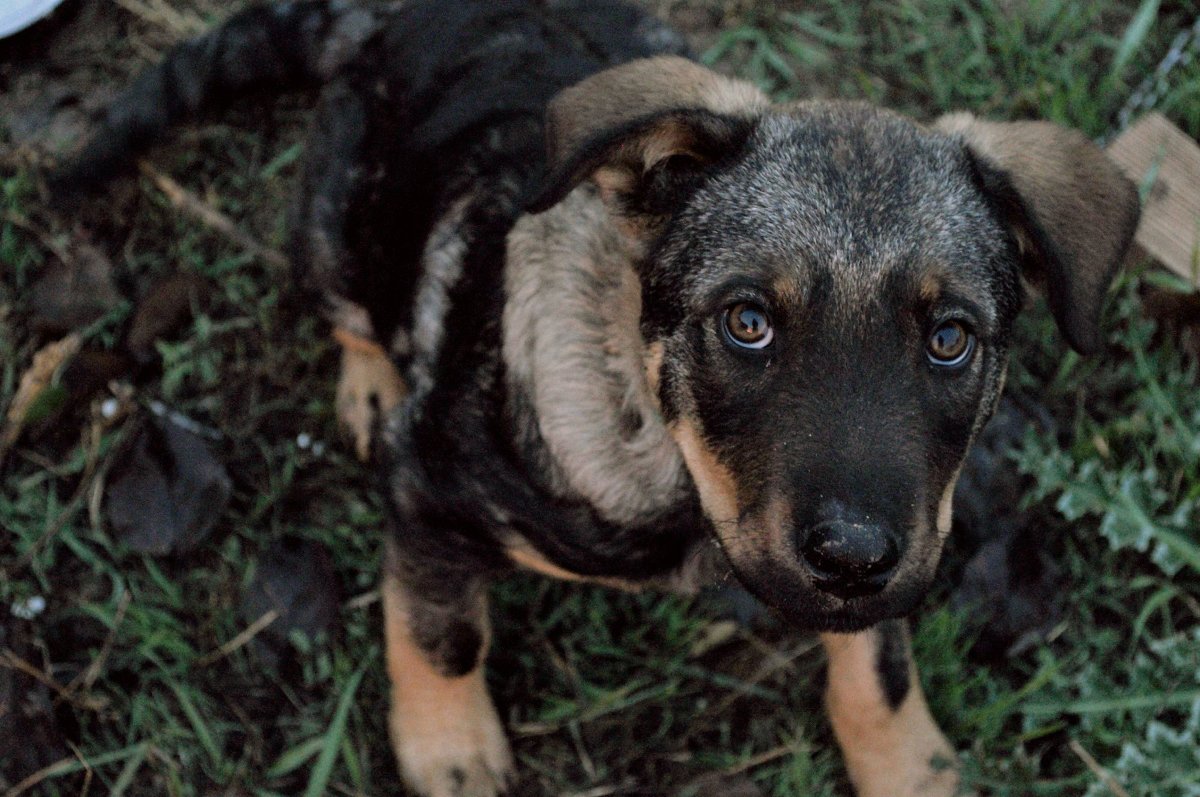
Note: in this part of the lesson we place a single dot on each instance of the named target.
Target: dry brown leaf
(76, 290)
(165, 308)
(34, 382)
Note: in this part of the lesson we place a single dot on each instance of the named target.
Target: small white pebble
(304, 440)
(109, 407)
(30, 607)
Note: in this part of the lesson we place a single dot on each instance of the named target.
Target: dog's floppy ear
(642, 131)
(1073, 212)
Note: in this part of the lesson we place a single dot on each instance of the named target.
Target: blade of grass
(203, 734)
(319, 778)
(296, 757)
(1135, 36)
(1157, 700)
(1185, 549)
(129, 771)
(351, 759)
(69, 766)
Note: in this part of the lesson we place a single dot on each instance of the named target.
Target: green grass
(640, 694)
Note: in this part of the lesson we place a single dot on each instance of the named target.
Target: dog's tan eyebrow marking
(788, 290)
(930, 287)
(939, 288)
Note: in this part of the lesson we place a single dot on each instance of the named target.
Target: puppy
(610, 316)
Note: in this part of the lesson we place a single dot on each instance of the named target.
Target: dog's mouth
(805, 605)
(816, 594)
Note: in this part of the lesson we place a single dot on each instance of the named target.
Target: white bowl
(17, 15)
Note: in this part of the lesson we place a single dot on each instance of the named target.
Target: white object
(30, 607)
(17, 15)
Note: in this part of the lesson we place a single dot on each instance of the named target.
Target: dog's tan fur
(572, 345)
(627, 95)
(668, 197)
(445, 732)
(637, 90)
(714, 482)
(369, 387)
(889, 753)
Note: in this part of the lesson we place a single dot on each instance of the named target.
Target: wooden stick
(1099, 771)
(212, 218)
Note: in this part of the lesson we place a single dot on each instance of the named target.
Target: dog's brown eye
(748, 326)
(950, 345)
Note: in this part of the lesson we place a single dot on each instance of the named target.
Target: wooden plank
(1157, 155)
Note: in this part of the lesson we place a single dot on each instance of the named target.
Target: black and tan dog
(628, 322)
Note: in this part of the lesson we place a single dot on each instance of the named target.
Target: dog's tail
(283, 46)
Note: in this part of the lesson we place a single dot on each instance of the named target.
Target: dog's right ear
(642, 132)
(1072, 212)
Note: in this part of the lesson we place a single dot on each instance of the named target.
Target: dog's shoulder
(576, 363)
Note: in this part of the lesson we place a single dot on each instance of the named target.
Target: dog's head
(828, 292)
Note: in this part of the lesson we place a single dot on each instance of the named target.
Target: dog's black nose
(850, 559)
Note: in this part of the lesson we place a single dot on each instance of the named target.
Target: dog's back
(450, 100)
(421, 102)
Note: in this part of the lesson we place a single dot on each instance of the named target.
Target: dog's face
(833, 309)
(827, 295)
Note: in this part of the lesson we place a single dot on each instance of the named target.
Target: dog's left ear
(643, 132)
(1073, 212)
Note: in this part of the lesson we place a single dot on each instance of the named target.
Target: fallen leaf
(74, 291)
(32, 397)
(81, 378)
(731, 601)
(296, 580)
(988, 495)
(165, 308)
(168, 490)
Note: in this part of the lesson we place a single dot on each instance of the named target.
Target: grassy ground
(604, 694)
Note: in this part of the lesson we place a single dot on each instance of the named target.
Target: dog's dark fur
(547, 236)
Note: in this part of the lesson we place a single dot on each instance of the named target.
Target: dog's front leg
(445, 732)
(891, 744)
(369, 387)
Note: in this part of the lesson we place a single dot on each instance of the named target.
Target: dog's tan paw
(452, 756)
(892, 746)
(938, 778)
(369, 386)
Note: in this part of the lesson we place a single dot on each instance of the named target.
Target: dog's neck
(579, 396)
